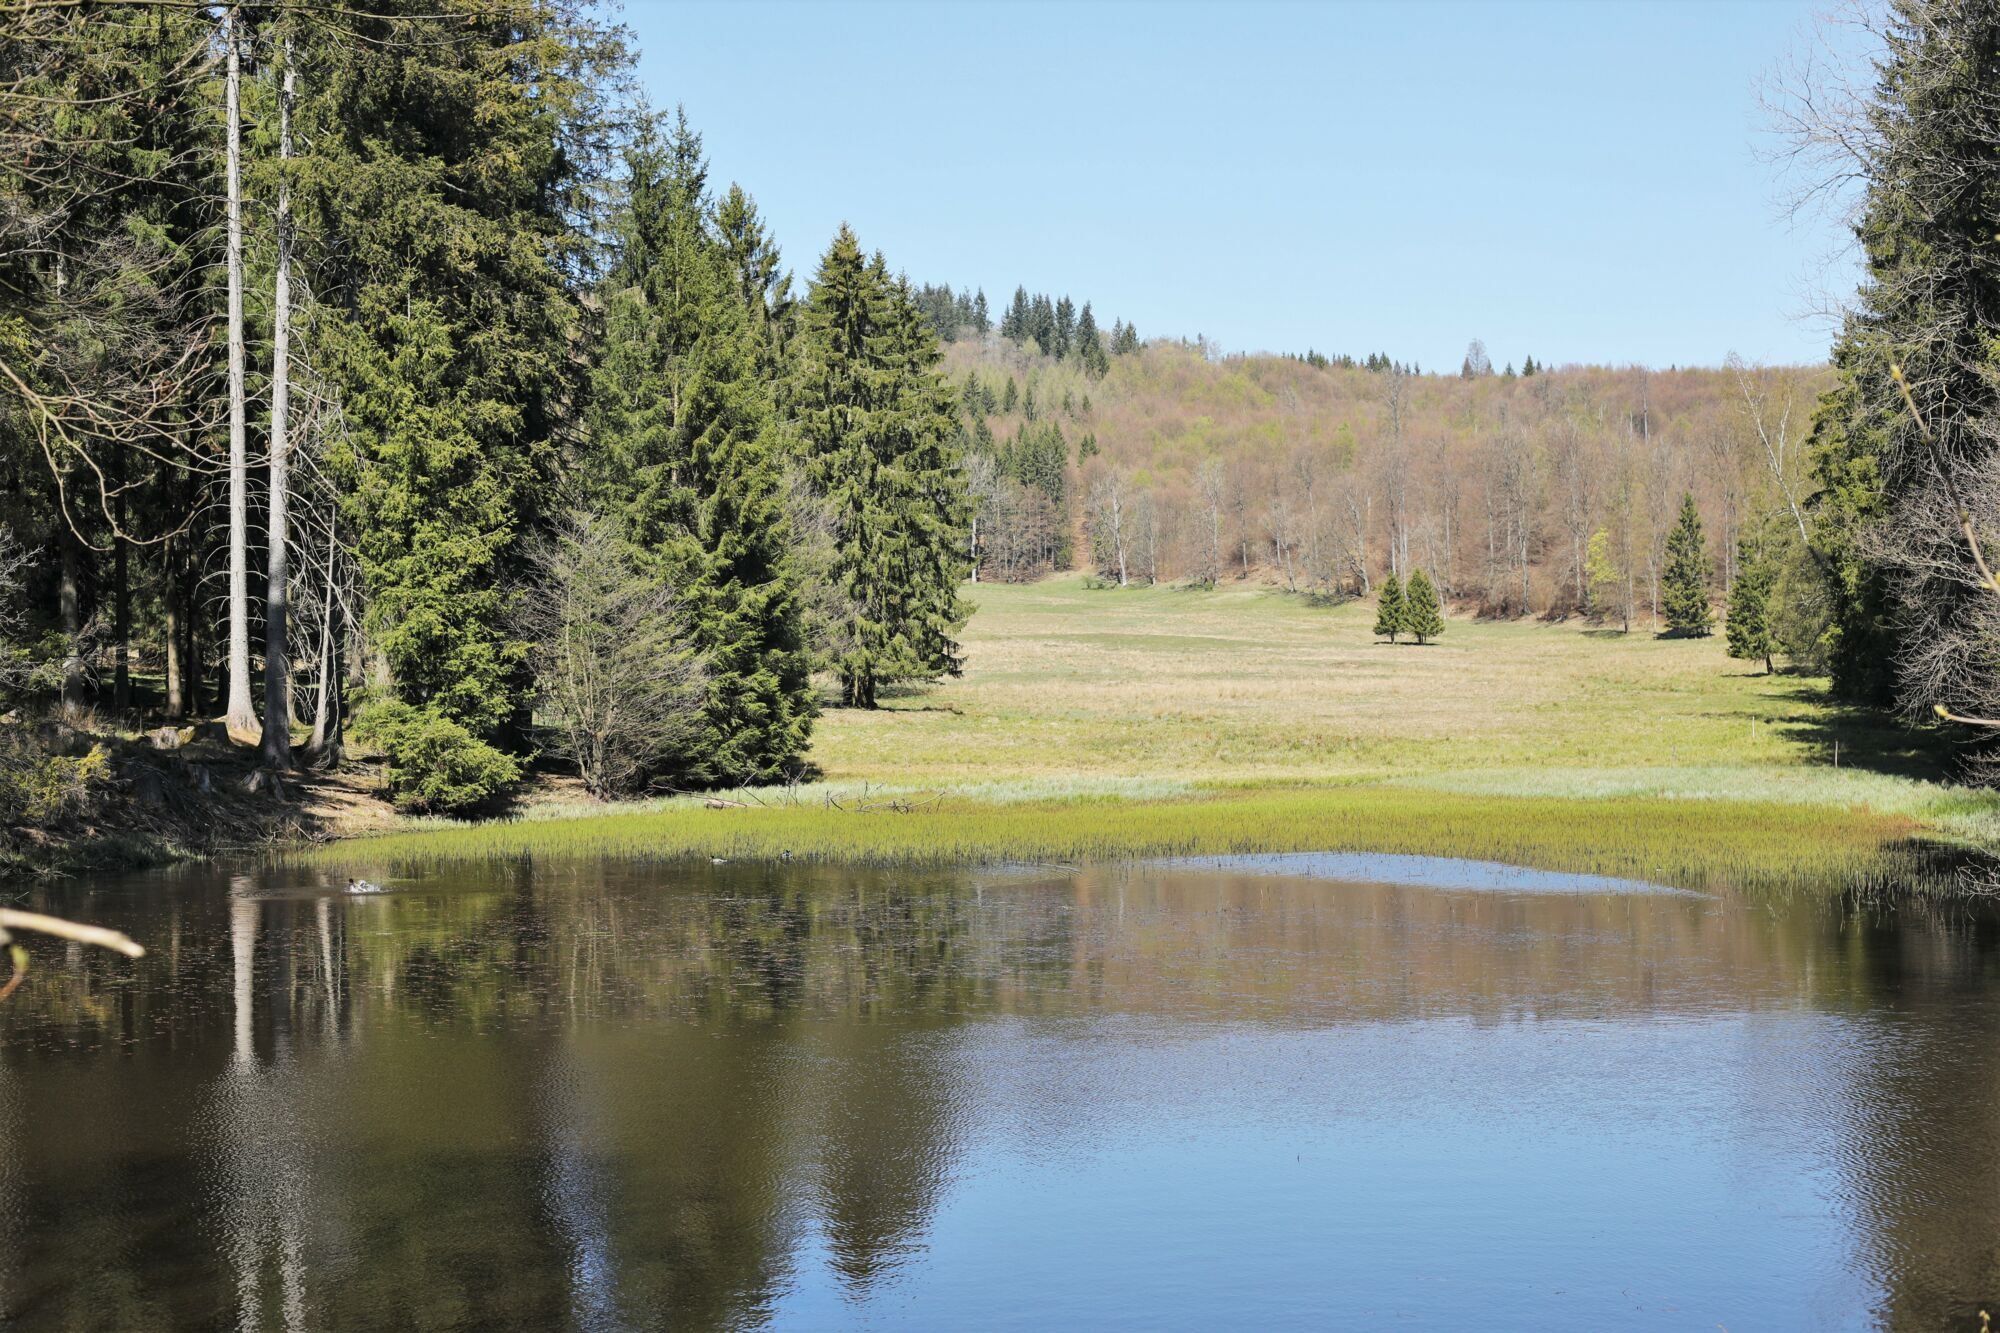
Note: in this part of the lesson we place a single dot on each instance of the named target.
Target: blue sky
(1573, 181)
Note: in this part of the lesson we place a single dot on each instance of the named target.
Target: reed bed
(1688, 843)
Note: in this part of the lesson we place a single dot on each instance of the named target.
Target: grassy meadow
(1095, 723)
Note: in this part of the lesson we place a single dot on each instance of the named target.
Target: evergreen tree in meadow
(685, 457)
(1389, 612)
(876, 423)
(1748, 630)
(1684, 582)
(1423, 615)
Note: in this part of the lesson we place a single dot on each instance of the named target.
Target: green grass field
(1093, 723)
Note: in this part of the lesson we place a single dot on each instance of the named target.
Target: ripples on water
(1202, 1095)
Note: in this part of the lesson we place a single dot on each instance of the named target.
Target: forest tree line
(394, 364)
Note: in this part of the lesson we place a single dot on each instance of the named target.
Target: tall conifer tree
(1748, 630)
(1389, 611)
(451, 335)
(686, 455)
(1090, 344)
(877, 423)
(1684, 582)
(1423, 615)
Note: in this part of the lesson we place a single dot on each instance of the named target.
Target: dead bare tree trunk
(241, 713)
(121, 592)
(325, 743)
(277, 740)
(69, 597)
(170, 605)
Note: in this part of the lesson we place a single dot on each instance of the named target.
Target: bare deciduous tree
(621, 689)
(1212, 483)
(1110, 499)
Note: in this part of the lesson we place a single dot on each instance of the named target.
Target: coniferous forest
(392, 373)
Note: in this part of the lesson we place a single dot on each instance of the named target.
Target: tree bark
(240, 712)
(170, 605)
(69, 596)
(121, 569)
(325, 744)
(277, 739)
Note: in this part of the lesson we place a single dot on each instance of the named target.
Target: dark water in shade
(1192, 1097)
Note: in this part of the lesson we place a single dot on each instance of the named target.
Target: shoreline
(1702, 844)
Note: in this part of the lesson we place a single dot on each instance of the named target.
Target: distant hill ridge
(1544, 493)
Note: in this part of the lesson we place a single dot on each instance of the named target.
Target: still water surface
(1193, 1096)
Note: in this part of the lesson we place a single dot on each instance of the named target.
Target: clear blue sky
(1575, 181)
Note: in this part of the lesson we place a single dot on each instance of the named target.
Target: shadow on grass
(1865, 738)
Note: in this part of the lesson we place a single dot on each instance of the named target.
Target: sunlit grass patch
(1096, 723)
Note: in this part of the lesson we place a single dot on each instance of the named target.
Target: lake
(1269, 1093)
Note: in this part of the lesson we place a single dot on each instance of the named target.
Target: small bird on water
(718, 860)
(362, 886)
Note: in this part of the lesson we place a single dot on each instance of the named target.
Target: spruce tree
(877, 423)
(1015, 324)
(1684, 582)
(1389, 613)
(686, 457)
(1042, 324)
(451, 329)
(1090, 352)
(1909, 612)
(762, 285)
(1422, 614)
(1748, 630)
(1064, 333)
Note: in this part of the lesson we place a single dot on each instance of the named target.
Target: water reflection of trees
(580, 1096)
(1919, 1164)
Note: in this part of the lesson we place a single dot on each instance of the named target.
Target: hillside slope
(1325, 477)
